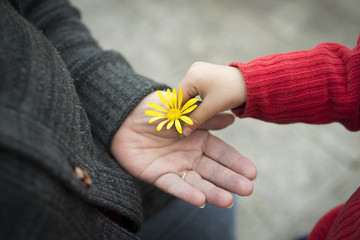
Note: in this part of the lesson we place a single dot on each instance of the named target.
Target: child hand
(220, 87)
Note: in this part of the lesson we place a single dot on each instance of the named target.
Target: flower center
(173, 114)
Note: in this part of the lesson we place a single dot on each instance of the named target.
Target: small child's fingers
(205, 111)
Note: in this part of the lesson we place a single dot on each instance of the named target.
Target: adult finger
(226, 155)
(219, 121)
(174, 185)
(224, 177)
(214, 195)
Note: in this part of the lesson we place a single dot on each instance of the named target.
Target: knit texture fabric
(62, 98)
(316, 86)
(323, 226)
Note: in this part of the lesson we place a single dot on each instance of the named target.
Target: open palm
(213, 168)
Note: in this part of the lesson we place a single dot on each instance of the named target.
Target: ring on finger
(183, 174)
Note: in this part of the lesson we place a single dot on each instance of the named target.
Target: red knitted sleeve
(315, 86)
(347, 223)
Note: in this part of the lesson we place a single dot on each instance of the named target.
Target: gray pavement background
(303, 170)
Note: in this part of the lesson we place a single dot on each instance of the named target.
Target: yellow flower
(173, 112)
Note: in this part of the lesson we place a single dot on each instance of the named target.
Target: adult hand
(213, 168)
(220, 87)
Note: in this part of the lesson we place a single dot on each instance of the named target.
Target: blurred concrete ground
(302, 170)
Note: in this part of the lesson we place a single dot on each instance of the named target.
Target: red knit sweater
(315, 86)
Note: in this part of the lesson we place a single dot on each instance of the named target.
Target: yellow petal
(187, 120)
(154, 113)
(174, 98)
(157, 107)
(168, 93)
(190, 109)
(156, 118)
(189, 103)
(170, 125)
(178, 126)
(162, 98)
(159, 127)
(180, 98)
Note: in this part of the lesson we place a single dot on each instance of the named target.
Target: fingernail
(202, 206)
(231, 205)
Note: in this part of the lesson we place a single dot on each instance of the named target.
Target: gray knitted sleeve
(107, 86)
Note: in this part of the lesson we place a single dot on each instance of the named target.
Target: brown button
(83, 176)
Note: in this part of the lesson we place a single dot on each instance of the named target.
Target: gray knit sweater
(61, 100)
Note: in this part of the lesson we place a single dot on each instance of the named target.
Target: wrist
(239, 86)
